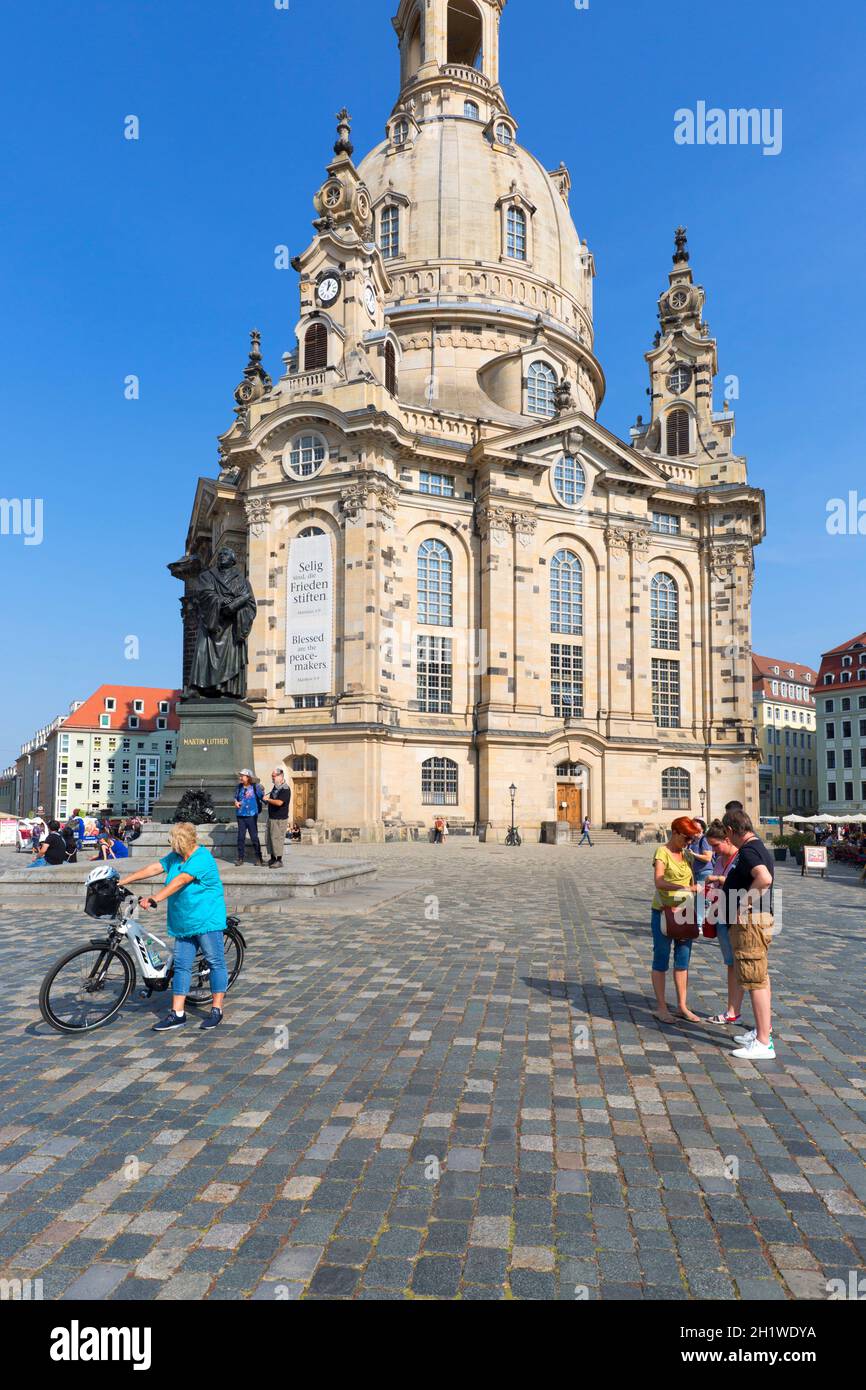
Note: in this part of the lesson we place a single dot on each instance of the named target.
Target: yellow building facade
(465, 582)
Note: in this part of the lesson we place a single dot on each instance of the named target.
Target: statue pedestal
(215, 742)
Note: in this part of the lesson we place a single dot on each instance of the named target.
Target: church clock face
(370, 301)
(328, 288)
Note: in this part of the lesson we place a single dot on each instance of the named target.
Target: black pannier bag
(103, 898)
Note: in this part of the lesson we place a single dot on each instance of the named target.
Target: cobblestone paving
(462, 1093)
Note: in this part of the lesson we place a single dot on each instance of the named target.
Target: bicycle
(89, 986)
(513, 838)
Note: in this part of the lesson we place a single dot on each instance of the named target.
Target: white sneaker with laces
(755, 1051)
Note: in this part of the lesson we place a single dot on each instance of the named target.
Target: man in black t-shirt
(277, 803)
(749, 887)
(53, 847)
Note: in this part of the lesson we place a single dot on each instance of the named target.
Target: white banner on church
(310, 617)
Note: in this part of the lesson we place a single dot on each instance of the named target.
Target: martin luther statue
(226, 611)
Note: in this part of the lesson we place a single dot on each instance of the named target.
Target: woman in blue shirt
(248, 803)
(196, 919)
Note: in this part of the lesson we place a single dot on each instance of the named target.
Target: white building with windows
(465, 580)
(841, 706)
(112, 752)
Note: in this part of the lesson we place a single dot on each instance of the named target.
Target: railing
(465, 74)
(306, 381)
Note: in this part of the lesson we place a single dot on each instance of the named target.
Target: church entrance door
(569, 802)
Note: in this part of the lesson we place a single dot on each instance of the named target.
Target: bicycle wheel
(86, 988)
(200, 991)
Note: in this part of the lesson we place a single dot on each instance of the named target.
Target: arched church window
(665, 612)
(391, 368)
(389, 234)
(472, 110)
(540, 390)
(569, 480)
(678, 433)
(307, 454)
(310, 531)
(401, 132)
(676, 789)
(439, 782)
(435, 584)
(516, 234)
(316, 348)
(566, 593)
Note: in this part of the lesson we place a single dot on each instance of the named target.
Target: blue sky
(155, 258)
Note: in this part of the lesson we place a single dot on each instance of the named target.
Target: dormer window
(516, 234)
(138, 706)
(110, 704)
(133, 721)
(163, 707)
(400, 132)
(389, 232)
(541, 391)
(504, 134)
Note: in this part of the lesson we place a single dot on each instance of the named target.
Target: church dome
(456, 183)
(489, 281)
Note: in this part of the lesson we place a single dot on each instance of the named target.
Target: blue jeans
(584, 836)
(251, 824)
(700, 898)
(211, 945)
(662, 947)
(725, 943)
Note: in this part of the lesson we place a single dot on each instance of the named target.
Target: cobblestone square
(459, 1091)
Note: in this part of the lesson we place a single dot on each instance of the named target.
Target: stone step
(314, 877)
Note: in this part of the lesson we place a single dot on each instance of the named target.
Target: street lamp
(703, 795)
(512, 834)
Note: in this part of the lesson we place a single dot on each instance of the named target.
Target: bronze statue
(226, 611)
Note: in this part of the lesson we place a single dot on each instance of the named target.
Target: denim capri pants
(725, 943)
(662, 947)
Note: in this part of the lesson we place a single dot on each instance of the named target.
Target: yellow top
(675, 871)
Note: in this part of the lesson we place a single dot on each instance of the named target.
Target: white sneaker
(755, 1051)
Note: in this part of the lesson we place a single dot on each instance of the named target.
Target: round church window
(569, 481)
(306, 455)
(680, 379)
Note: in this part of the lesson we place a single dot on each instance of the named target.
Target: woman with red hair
(675, 884)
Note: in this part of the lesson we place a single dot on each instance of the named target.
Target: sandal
(725, 1018)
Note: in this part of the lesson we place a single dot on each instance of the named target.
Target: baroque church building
(468, 588)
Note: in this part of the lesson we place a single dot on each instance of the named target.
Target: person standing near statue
(226, 611)
(278, 818)
(248, 803)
